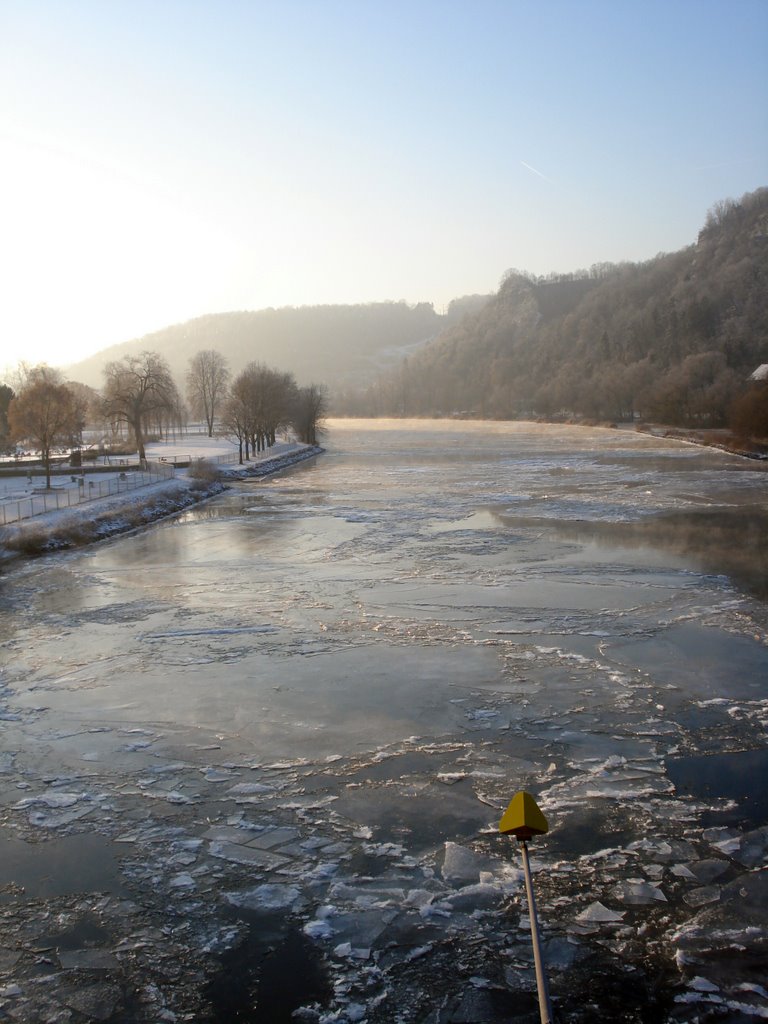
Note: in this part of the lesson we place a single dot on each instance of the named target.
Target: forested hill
(673, 339)
(334, 345)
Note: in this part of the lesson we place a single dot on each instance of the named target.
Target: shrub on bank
(202, 474)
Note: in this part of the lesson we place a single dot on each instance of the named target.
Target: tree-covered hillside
(673, 339)
(333, 345)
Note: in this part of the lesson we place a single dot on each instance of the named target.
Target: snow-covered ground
(81, 494)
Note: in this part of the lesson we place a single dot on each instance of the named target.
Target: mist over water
(386, 644)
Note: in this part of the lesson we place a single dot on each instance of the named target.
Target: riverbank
(722, 440)
(124, 513)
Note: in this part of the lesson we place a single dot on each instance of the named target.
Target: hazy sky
(160, 160)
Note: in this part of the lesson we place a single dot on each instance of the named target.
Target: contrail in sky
(533, 169)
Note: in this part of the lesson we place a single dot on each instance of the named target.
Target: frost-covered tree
(235, 418)
(138, 390)
(261, 402)
(309, 408)
(44, 412)
(207, 380)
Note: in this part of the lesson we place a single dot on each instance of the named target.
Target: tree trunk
(137, 433)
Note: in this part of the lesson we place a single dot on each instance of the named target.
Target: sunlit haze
(163, 160)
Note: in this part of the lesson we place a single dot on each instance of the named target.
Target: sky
(163, 159)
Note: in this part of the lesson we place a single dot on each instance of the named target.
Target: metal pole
(545, 1007)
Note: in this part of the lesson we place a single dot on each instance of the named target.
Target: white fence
(81, 489)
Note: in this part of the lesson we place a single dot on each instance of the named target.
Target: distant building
(761, 373)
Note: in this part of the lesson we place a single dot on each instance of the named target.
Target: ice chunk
(461, 865)
(419, 951)
(273, 837)
(56, 819)
(246, 855)
(638, 892)
(323, 871)
(749, 849)
(481, 714)
(182, 881)
(702, 985)
(319, 928)
(394, 850)
(597, 913)
(249, 788)
(216, 774)
(368, 895)
(699, 997)
(681, 871)
(8, 959)
(315, 843)
(174, 797)
(53, 800)
(701, 897)
(96, 1002)
(758, 990)
(561, 954)
(87, 959)
(335, 849)
(430, 910)
(475, 897)
(748, 1009)
(737, 917)
(265, 897)
(170, 768)
(728, 846)
(707, 871)
(229, 834)
(449, 778)
(346, 949)
(355, 1012)
(418, 898)
(665, 850)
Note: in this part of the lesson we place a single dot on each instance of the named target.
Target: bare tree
(235, 419)
(269, 396)
(309, 408)
(207, 380)
(137, 390)
(261, 402)
(87, 401)
(44, 412)
(6, 395)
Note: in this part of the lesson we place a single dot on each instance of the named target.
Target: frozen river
(253, 759)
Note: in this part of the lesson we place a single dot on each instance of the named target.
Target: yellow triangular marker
(523, 818)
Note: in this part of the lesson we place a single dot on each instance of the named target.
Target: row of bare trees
(140, 393)
(254, 406)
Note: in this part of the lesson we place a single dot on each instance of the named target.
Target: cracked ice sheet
(562, 695)
(387, 692)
